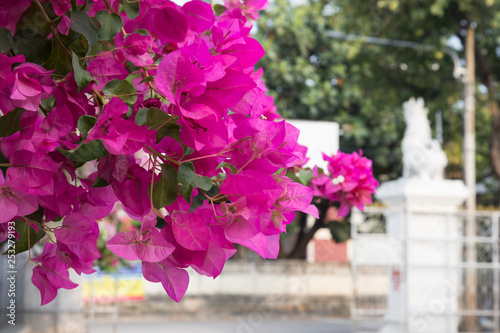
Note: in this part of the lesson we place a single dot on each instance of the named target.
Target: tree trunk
(304, 238)
(495, 137)
(485, 76)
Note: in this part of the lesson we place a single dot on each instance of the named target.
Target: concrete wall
(262, 278)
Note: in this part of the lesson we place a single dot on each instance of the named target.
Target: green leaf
(80, 22)
(32, 19)
(141, 116)
(132, 8)
(48, 103)
(205, 183)
(198, 199)
(85, 123)
(6, 41)
(10, 124)
(341, 231)
(125, 91)
(188, 180)
(82, 77)
(35, 47)
(86, 152)
(100, 182)
(111, 24)
(165, 189)
(148, 79)
(305, 176)
(290, 174)
(229, 166)
(28, 237)
(165, 124)
(58, 60)
(155, 118)
(219, 9)
(111, 85)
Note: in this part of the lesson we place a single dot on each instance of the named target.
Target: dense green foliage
(362, 86)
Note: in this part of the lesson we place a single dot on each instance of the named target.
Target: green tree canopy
(362, 86)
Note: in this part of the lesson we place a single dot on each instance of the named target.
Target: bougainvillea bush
(152, 104)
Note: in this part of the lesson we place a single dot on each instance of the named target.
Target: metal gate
(468, 298)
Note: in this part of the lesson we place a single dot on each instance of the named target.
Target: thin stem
(110, 8)
(169, 119)
(111, 96)
(244, 165)
(99, 97)
(152, 183)
(221, 153)
(104, 53)
(162, 157)
(55, 33)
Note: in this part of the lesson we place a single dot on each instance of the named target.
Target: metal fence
(468, 294)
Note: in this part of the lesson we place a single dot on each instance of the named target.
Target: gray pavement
(242, 325)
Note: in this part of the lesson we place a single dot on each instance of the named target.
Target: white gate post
(427, 290)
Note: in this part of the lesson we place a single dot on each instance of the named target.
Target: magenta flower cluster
(161, 109)
(350, 181)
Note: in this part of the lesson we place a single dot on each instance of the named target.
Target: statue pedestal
(424, 290)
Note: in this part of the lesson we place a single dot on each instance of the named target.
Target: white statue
(422, 155)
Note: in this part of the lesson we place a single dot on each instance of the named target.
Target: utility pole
(469, 160)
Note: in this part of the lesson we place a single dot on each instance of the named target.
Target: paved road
(246, 325)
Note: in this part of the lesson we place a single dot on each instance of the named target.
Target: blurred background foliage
(362, 86)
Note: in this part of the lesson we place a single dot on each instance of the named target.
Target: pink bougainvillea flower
(11, 12)
(174, 280)
(257, 186)
(56, 125)
(207, 138)
(169, 23)
(50, 274)
(176, 74)
(270, 145)
(135, 48)
(301, 152)
(65, 196)
(75, 226)
(14, 202)
(190, 230)
(6, 75)
(217, 248)
(322, 185)
(148, 245)
(31, 83)
(114, 168)
(196, 66)
(351, 181)
(297, 197)
(5, 231)
(226, 33)
(200, 15)
(120, 136)
(64, 26)
(81, 255)
(97, 202)
(133, 192)
(105, 69)
(67, 93)
(32, 172)
(230, 89)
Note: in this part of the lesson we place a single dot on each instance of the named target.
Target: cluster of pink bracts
(196, 142)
